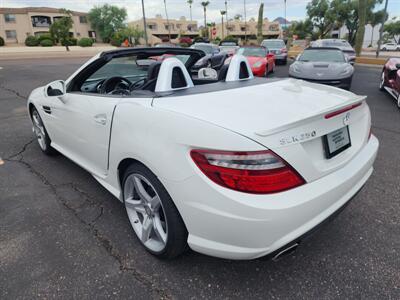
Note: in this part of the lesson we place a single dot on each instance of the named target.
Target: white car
(390, 47)
(234, 167)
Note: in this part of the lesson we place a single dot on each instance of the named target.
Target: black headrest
(153, 70)
(222, 72)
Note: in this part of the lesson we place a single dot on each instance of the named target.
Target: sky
(296, 9)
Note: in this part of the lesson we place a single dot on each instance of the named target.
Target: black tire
(43, 139)
(177, 234)
(266, 70)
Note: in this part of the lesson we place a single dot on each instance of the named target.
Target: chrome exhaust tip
(288, 250)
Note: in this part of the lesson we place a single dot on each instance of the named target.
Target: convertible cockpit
(125, 72)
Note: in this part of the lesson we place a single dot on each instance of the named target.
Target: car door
(82, 121)
(81, 128)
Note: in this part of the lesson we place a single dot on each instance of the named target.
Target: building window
(82, 19)
(171, 26)
(41, 21)
(11, 34)
(78, 34)
(92, 34)
(152, 26)
(9, 18)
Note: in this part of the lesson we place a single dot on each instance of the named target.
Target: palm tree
(169, 26)
(223, 12)
(205, 4)
(190, 2)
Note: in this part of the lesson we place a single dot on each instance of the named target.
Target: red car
(261, 61)
(390, 79)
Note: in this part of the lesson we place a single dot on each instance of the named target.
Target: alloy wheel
(146, 212)
(39, 130)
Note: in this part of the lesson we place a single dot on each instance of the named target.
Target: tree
(238, 17)
(302, 29)
(60, 28)
(346, 13)
(260, 23)
(321, 16)
(107, 19)
(362, 14)
(375, 18)
(392, 29)
(223, 12)
(190, 2)
(205, 4)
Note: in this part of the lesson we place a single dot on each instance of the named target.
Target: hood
(320, 70)
(261, 108)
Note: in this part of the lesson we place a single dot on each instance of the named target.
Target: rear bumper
(233, 225)
(281, 57)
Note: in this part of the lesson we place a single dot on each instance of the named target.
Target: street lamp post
(226, 17)
(145, 25)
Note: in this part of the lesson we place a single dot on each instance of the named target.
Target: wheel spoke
(136, 205)
(155, 203)
(141, 190)
(159, 230)
(147, 226)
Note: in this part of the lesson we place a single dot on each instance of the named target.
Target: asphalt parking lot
(63, 235)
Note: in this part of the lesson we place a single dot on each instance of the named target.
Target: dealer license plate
(336, 142)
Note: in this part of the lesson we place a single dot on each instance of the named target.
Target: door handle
(101, 119)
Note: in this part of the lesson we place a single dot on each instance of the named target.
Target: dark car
(340, 44)
(390, 78)
(214, 58)
(277, 47)
(323, 65)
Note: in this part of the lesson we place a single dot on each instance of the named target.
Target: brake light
(258, 172)
(340, 111)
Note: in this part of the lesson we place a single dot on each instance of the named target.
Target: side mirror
(55, 89)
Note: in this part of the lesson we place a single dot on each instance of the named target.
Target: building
(158, 31)
(18, 23)
(240, 29)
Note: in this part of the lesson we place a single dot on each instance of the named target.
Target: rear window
(273, 44)
(322, 56)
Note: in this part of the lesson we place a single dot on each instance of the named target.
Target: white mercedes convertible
(230, 165)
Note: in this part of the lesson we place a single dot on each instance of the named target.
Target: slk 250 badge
(298, 138)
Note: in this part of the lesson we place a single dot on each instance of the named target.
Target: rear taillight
(259, 172)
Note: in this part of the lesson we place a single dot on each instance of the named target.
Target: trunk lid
(286, 116)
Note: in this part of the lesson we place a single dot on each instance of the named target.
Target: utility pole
(245, 22)
(145, 25)
(285, 21)
(381, 29)
(226, 17)
(169, 25)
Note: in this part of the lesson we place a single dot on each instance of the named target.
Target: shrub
(1, 41)
(85, 42)
(46, 43)
(71, 42)
(230, 38)
(45, 36)
(117, 38)
(31, 41)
